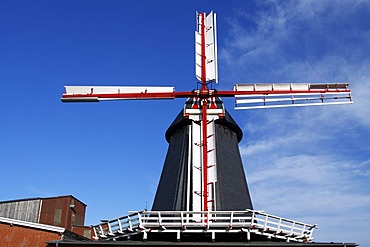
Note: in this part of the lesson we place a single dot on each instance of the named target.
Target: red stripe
(204, 92)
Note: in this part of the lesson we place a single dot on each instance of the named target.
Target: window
(58, 216)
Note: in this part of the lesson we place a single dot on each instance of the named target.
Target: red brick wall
(22, 236)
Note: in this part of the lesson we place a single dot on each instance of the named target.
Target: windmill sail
(208, 46)
(257, 96)
(98, 93)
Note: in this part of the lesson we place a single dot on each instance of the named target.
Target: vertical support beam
(205, 155)
(204, 91)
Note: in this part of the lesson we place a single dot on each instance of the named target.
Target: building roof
(41, 198)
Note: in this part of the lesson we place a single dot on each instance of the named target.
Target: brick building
(35, 221)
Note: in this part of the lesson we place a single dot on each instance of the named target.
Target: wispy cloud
(312, 164)
(321, 189)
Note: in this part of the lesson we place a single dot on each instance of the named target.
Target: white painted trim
(32, 225)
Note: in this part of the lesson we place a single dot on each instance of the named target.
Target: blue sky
(309, 164)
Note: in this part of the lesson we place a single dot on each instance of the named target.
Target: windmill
(199, 192)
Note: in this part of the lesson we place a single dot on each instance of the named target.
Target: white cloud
(314, 189)
(310, 164)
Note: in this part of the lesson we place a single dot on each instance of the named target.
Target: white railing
(248, 221)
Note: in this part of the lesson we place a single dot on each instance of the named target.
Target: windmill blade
(98, 93)
(258, 96)
(206, 47)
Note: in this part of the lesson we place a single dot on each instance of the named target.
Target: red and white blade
(98, 93)
(258, 96)
(210, 46)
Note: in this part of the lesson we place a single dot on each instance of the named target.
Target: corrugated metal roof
(41, 198)
(27, 210)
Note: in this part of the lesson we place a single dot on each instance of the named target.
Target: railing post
(110, 232)
(119, 225)
(231, 220)
(292, 228)
(303, 229)
(140, 225)
(252, 219)
(279, 225)
(101, 230)
(182, 219)
(95, 233)
(129, 224)
(159, 219)
(207, 220)
(266, 220)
